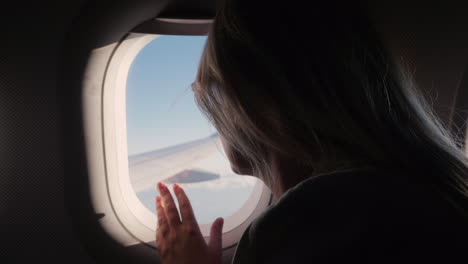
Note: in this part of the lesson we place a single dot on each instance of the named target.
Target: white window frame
(104, 109)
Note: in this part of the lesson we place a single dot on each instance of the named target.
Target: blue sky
(160, 106)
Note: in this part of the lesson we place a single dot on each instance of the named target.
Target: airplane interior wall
(35, 223)
(45, 211)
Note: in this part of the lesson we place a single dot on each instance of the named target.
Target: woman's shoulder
(324, 200)
(320, 205)
(344, 213)
(347, 190)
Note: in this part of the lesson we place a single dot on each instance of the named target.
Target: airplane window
(170, 140)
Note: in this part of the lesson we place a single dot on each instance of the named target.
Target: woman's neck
(288, 174)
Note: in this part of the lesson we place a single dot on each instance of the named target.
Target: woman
(309, 101)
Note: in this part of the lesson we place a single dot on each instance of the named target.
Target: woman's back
(357, 216)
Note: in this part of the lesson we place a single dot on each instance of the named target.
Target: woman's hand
(180, 241)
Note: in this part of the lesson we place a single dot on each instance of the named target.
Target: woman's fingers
(216, 232)
(162, 221)
(162, 228)
(185, 243)
(172, 215)
(186, 211)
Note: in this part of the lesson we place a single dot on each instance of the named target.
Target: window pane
(170, 140)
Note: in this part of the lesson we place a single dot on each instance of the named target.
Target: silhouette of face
(239, 164)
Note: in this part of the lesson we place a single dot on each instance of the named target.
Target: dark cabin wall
(35, 226)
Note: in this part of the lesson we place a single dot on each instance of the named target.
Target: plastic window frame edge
(104, 94)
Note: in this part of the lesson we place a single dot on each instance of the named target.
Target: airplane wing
(195, 161)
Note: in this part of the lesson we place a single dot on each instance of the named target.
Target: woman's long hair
(316, 84)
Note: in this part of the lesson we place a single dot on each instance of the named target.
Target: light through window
(170, 140)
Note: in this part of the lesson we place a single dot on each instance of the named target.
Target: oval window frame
(137, 220)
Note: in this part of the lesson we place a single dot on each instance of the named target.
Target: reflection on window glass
(170, 140)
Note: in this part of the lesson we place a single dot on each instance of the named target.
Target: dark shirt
(357, 216)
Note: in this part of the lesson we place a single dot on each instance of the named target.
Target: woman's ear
(239, 164)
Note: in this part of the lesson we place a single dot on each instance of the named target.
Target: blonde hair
(317, 85)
